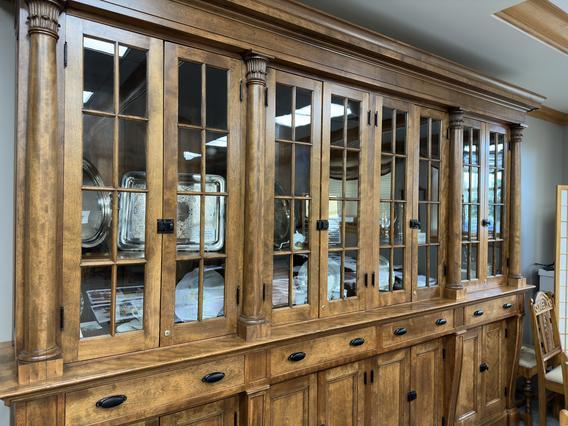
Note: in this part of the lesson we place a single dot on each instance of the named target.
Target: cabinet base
(33, 372)
(455, 293)
(253, 329)
(517, 282)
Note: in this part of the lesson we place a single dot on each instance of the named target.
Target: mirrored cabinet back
(250, 212)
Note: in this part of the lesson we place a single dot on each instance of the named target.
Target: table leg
(528, 402)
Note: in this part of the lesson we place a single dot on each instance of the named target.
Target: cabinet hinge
(65, 55)
(365, 378)
(443, 421)
(443, 353)
(263, 292)
(376, 118)
(61, 318)
(266, 97)
(241, 91)
(366, 279)
(372, 375)
(238, 295)
(369, 117)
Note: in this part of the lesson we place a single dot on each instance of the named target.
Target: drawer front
(490, 310)
(398, 332)
(148, 395)
(306, 354)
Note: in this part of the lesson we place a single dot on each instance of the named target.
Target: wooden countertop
(83, 374)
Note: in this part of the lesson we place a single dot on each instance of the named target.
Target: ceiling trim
(550, 115)
(540, 19)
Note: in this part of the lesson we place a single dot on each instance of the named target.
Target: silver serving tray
(132, 213)
(97, 211)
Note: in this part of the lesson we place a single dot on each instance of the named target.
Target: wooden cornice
(551, 115)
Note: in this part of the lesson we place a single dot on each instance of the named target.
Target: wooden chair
(550, 358)
(564, 418)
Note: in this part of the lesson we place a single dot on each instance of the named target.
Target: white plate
(187, 295)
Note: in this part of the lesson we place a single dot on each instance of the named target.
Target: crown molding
(550, 115)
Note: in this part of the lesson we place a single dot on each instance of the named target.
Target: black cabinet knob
(415, 224)
(483, 367)
(507, 306)
(441, 321)
(485, 223)
(400, 331)
(478, 313)
(111, 401)
(357, 341)
(412, 395)
(213, 377)
(296, 356)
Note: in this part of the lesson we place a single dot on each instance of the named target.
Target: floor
(551, 421)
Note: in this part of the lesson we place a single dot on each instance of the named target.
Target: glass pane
(423, 218)
(498, 219)
(188, 219)
(189, 156)
(213, 288)
(398, 268)
(98, 75)
(464, 260)
(386, 177)
(423, 181)
(386, 138)
(216, 98)
(335, 214)
(465, 222)
(352, 175)
(399, 223)
(474, 224)
(351, 223)
(333, 276)
(336, 173)
(283, 120)
(434, 223)
(129, 298)
(337, 128)
(433, 266)
(501, 151)
(491, 225)
(214, 227)
(283, 172)
(216, 155)
(400, 179)
(424, 130)
(422, 267)
(280, 281)
(384, 269)
(133, 81)
(96, 224)
(436, 135)
(500, 186)
(466, 145)
(300, 275)
(131, 224)
(435, 184)
(189, 93)
(95, 308)
(490, 265)
(282, 216)
(491, 188)
(465, 182)
(475, 147)
(302, 164)
(350, 274)
(473, 261)
(385, 223)
(353, 117)
(498, 258)
(301, 217)
(98, 146)
(303, 115)
(401, 132)
(474, 185)
(492, 149)
(187, 291)
(131, 151)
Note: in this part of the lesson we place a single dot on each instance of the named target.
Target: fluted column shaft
(515, 273)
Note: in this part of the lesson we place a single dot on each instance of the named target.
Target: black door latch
(166, 226)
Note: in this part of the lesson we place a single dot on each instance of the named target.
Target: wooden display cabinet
(248, 212)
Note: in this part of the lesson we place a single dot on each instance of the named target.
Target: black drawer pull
(507, 306)
(400, 331)
(111, 401)
(441, 321)
(296, 356)
(412, 395)
(483, 367)
(213, 377)
(357, 341)
(478, 313)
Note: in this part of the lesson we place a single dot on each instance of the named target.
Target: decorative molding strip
(551, 115)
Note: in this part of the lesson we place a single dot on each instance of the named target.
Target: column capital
(44, 16)
(517, 132)
(456, 118)
(256, 67)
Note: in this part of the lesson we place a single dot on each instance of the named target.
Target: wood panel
(493, 380)
(468, 407)
(293, 402)
(219, 413)
(427, 380)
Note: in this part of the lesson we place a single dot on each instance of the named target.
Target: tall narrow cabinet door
(293, 158)
(493, 378)
(113, 190)
(427, 380)
(468, 407)
(341, 395)
(293, 402)
(345, 197)
(202, 194)
(388, 405)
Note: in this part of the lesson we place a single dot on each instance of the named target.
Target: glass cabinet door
(293, 169)
(202, 137)
(112, 191)
(344, 197)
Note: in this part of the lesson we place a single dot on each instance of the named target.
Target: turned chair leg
(528, 402)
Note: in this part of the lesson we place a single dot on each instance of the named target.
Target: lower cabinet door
(219, 413)
(388, 399)
(427, 384)
(492, 370)
(341, 395)
(293, 402)
(468, 408)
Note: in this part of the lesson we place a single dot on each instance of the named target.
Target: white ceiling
(465, 31)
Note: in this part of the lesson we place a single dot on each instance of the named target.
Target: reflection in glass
(214, 226)
(466, 145)
(385, 223)
(133, 81)
(424, 129)
(189, 153)
(335, 223)
(333, 276)
(473, 261)
(352, 175)
(475, 147)
(95, 310)
(435, 176)
(501, 151)
(434, 223)
(433, 266)
(490, 265)
(384, 270)
(280, 281)
(399, 223)
(282, 215)
(386, 178)
(189, 93)
(337, 128)
(336, 173)
(350, 274)
(300, 275)
(423, 181)
(187, 291)
(386, 140)
(353, 113)
(401, 132)
(351, 223)
(400, 177)
(188, 220)
(129, 298)
(465, 181)
(96, 224)
(464, 260)
(474, 224)
(303, 115)
(283, 164)
(283, 119)
(213, 288)
(131, 147)
(465, 222)
(98, 75)
(422, 267)
(498, 217)
(216, 97)
(498, 259)
(301, 217)
(131, 224)
(398, 269)
(474, 194)
(423, 218)
(436, 135)
(499, 192)
(216, 154)
(98, 137)
(302, 164)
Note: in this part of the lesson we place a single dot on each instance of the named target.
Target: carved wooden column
(454, 286)
(40, 356)
(515, 274)
(252, 322)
